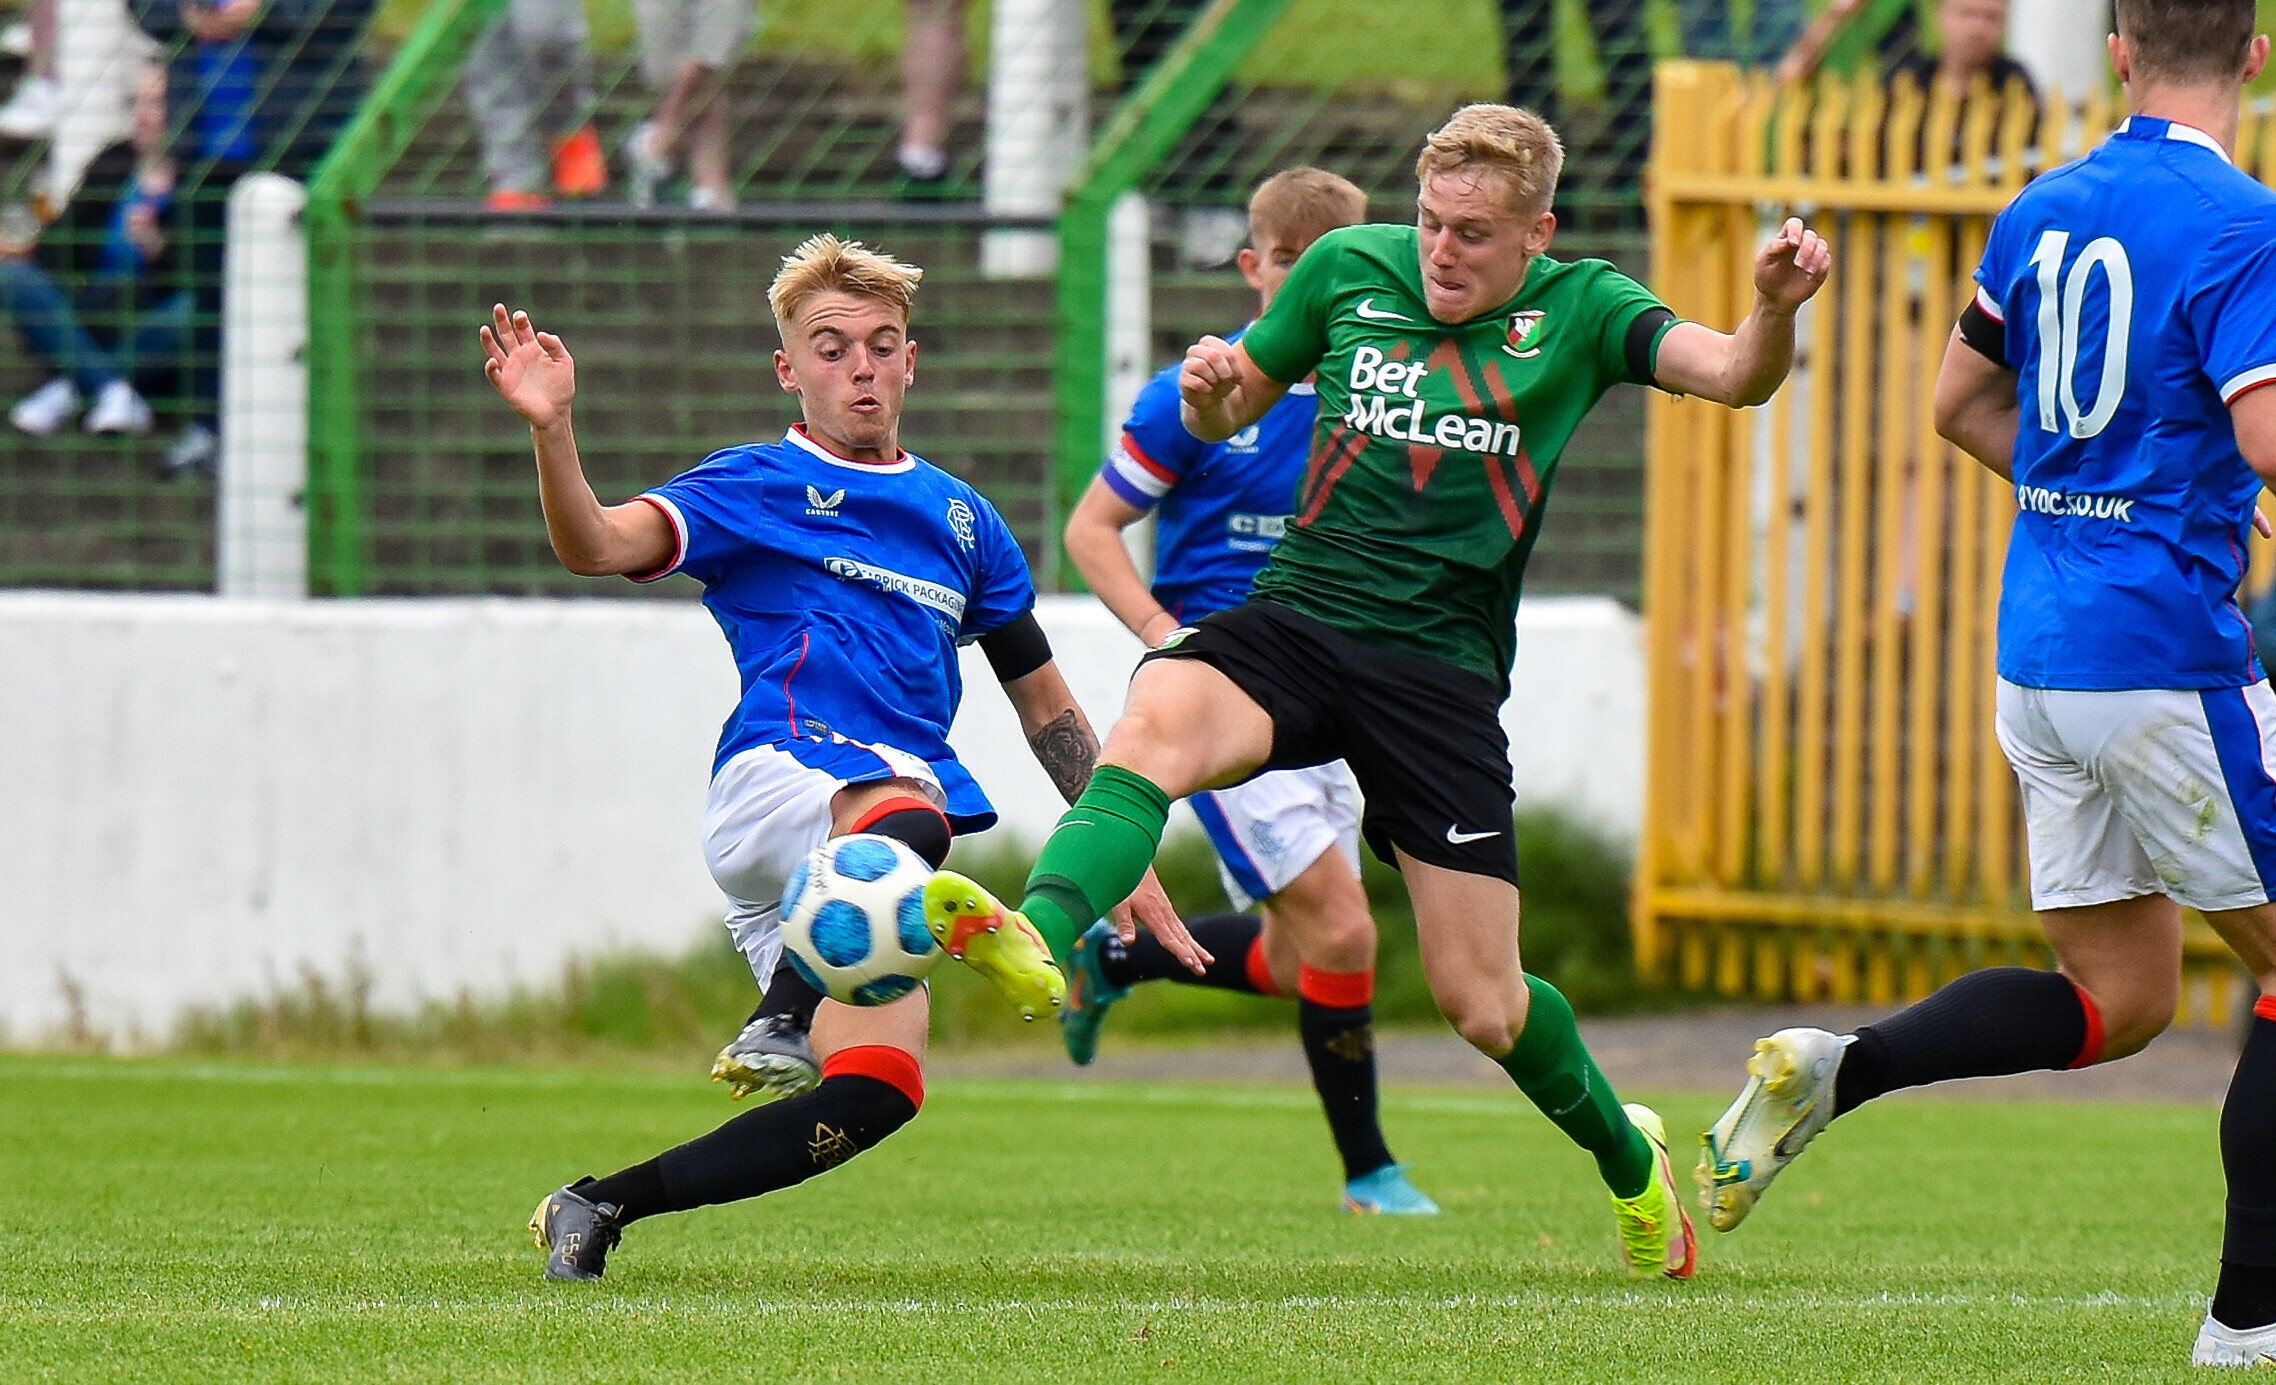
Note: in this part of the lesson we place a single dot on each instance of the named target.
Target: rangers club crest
(960, 519)
(1521, 328)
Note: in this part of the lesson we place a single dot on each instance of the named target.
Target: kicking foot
(576, 1233)
(1787, 1100)
(772, 1056)
(1089, 995)
(999, 943)
(2219, 1345)
(1655, 1232)
(1386, 1193)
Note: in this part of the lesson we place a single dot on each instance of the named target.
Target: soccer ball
(853, 919)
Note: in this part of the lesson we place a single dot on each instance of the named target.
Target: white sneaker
(118, 409)
(31, 112)
(648, 168)
(44, 410)
(16, 39)
(195, 451)
(2226, 1346)
(710, 201)
(1788, 1099)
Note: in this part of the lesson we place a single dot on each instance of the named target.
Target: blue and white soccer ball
(853, 919)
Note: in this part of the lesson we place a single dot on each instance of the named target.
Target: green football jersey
(1435, 445)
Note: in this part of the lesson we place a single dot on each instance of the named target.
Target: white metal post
(1038, 127)
(263, 524)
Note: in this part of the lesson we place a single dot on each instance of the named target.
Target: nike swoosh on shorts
(1457, 837)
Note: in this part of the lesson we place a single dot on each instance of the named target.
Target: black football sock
(866, 1094)
(1986, 1024)
(2246, 1295)
(788, 994)
(1335, 1015)
(1227, 937)
(637, 1192)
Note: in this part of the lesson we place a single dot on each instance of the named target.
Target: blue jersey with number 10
(2137, 287)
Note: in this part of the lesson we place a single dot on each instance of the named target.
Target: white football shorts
(1271, 829)
(2155, 791)
(768, 808)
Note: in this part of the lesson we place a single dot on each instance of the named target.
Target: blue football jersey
(844, 589)
(2137, 288)
(1222, 505)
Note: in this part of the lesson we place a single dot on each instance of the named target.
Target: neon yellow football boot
(1655, 1232)
(999, 943)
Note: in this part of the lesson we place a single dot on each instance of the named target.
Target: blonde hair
(1297, 206)
(825, 264)
(1508, 140)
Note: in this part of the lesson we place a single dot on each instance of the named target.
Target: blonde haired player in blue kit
(2112, 366)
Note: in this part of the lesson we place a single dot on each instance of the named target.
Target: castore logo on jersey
(824, 505)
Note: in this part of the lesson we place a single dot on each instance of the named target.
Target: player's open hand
(1149, 905)
(1210, 372)
(1792, 266)
(531, 370)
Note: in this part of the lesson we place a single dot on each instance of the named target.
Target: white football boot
(2227, 1346)
(1788, 1099)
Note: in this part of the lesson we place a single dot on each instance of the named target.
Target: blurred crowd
(114, 286)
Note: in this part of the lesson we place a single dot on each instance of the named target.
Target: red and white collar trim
(795, 435)
(2187, 134)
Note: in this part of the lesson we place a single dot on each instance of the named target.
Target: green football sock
(1552, 1067)
(1096, 856)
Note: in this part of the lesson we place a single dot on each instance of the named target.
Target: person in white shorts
(844, 573)
(2110, 367)
(1287, 842)
(686, 49)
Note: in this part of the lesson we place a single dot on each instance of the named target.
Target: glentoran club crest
(1521, 327)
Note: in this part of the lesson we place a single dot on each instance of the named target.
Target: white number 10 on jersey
(2060, 308)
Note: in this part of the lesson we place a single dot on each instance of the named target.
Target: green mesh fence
(663, 304)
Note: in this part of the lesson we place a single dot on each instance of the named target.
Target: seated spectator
(123, 326)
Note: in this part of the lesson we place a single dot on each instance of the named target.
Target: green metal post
(423, 73)
(1144, 128)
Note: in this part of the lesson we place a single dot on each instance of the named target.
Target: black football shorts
(1423, 738)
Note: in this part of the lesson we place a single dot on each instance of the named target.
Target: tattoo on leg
(1067, 751)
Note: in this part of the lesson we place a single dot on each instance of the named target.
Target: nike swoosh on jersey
(1366, 308)
(1458, 837)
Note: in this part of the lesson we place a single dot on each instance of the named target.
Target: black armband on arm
(1017, 650)
(1987, 334)
(1643, 335)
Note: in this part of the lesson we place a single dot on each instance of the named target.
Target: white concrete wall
(201, 797)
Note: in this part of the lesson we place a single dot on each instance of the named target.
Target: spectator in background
(1772, 27)
(1616, 142)
(1974, 40)
(529, 81)
(253, 85)
(37, 100)
(125, 325)
(686, 47)
(932, 68)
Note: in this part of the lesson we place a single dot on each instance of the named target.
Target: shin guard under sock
(2246, 1295)
(1552, 1067)
(1095, 857)
(1335, 1014)
(1229, 938)
(867, 1093)
(1986, 1024)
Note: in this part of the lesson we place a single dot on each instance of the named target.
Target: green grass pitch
(166, 1220)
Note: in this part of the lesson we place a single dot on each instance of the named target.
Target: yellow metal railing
(1826, 814)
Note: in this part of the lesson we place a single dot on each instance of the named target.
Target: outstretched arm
(1745, 367)
(1067, 748)
(532, 371)
(1221, 391)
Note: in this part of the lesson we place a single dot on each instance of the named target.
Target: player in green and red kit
(1453, 360)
